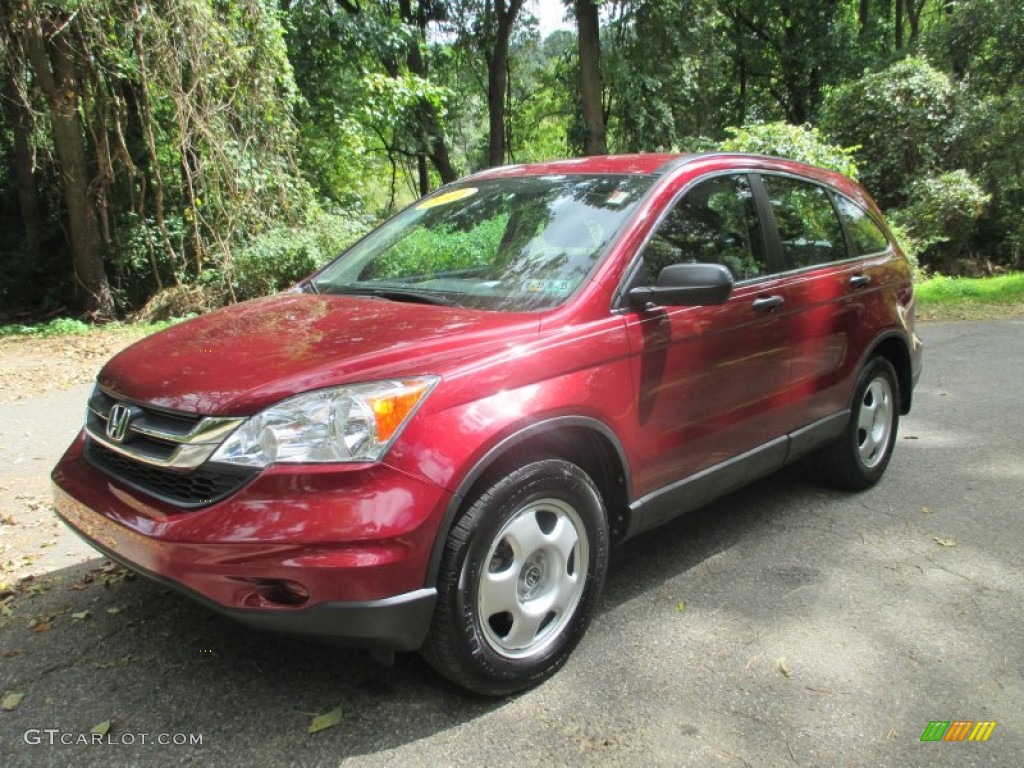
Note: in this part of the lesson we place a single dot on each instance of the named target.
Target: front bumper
(329, 552)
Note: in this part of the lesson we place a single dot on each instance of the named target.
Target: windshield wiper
(394, 294)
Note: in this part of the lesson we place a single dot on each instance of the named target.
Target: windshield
(513, 244)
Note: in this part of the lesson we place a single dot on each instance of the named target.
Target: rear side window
(865, 233)
(807, 224)
(714, 223)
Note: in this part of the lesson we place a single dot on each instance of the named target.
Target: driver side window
(714, 223)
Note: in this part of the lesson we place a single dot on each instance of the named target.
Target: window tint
(715, 222)
(807, 223)
(867, 236)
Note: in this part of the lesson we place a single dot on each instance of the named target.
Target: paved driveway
(787, 624)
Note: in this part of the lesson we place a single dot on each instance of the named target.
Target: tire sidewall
(877, 368)
(549, 478)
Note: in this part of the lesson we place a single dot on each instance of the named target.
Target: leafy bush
(910, 246)
(901, 122)
(285, 255)
(942, 211)
(60, 326)
(797, 142)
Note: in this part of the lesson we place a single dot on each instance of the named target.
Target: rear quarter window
(866, 234)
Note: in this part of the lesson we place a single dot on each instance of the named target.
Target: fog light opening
(281, 591)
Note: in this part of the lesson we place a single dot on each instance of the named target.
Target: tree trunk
(864, 17)
(54, 68)
(19, 116)
(436, 148)
(422, 174)
(914, 8)
(899, 25)
(497, 78)
(590, 77)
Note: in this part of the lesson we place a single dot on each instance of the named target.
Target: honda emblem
(117, 423)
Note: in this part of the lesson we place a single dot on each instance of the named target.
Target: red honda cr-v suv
(433, 442)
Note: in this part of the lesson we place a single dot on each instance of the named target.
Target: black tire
(521, 574)
(858, 458)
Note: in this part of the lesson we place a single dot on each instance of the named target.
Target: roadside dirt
(40, 379)
(30, 366)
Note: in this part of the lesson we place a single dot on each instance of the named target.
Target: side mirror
(686, 285)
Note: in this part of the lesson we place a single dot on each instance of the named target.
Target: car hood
(237, 360)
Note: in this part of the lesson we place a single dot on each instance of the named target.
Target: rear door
(833, 259)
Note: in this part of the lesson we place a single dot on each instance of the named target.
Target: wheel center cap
(533, 576)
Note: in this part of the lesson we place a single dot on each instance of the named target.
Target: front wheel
(521, 574)
(858, 459)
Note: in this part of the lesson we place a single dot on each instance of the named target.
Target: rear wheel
(521, 573)
(858, 459)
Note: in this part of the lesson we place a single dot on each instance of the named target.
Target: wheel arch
(894, 348)
(586, 442)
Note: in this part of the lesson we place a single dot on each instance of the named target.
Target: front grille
(162, 453)
(174, 440)
(199, 488)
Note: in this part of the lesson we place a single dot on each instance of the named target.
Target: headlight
(353, 423)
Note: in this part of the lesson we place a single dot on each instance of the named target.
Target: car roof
(661, 163)
(642, 164)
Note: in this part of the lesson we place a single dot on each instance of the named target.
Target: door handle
(859, 281)
(767, 303)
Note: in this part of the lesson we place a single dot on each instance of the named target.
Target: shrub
(900, 120)
(942, 212)
(797, 142)
(285, 255)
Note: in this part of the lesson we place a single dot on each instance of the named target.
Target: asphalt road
(787, 624)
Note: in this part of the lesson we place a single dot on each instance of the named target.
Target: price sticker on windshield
(447, 197)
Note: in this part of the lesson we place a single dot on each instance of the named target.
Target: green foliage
(900, 120)
(910, 246)
(213, 128)
(942, 209)
(669, 74)
(65, 326)
(980, 44)
(797, 142)
(285, 255)
(61, 326)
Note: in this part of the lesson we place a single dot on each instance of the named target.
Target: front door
(711, 381)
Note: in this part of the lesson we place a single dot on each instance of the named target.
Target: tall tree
(45, 35)
(495, 20)
(591, 90)
(17, 110)
(791, 49)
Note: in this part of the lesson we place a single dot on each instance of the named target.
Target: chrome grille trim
(157, 438)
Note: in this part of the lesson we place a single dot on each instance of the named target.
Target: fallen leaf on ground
(81, 615)
(328, 720)
(944, 542)
(114, 609)
(780, 664)
(11, 701)
(101, 729)
(926, 510)
(681, 606)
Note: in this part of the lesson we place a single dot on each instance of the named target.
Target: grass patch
(969, 298)
(66, 326)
